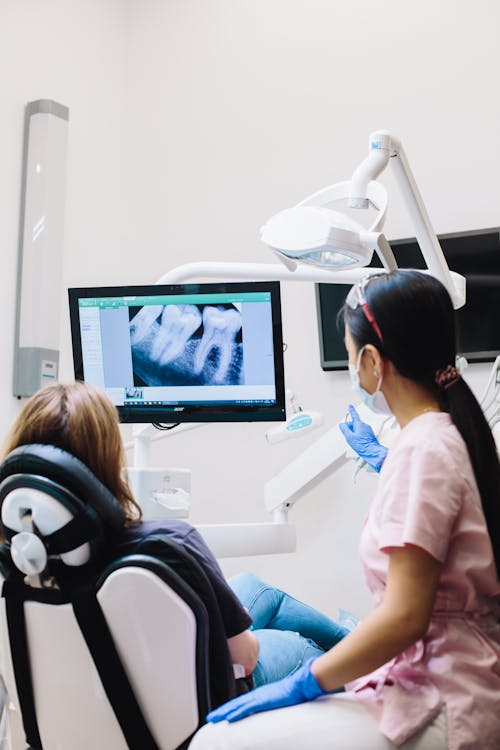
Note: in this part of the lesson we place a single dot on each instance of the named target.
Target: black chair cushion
(60, 466)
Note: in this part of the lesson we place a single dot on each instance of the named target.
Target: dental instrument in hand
(361, 437)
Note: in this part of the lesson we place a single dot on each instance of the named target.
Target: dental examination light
(315, 235)
(319, 236)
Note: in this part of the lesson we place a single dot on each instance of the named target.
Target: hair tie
(447, 377)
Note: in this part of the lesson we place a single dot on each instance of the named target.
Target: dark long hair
(415, 315)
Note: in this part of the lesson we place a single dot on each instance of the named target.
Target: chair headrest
(52, 504)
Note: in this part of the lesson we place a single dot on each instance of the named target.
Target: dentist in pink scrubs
(422, 670)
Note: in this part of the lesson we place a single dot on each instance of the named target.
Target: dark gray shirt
(234, 616)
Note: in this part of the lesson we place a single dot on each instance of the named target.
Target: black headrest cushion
(56, 464)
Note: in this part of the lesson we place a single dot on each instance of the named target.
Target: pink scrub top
(428, 497)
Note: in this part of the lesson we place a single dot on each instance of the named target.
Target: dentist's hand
(361, 438)
(299, 687)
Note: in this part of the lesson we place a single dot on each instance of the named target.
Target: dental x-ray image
(183, 344)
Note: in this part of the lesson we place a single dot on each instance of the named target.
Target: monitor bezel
(208, 413)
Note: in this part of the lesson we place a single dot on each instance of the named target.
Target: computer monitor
(475, 255)
(182, 353)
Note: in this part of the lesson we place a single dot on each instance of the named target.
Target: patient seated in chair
(73, 423)
(74, 428)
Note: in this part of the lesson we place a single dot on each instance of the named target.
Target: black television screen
(475, 255)
(184, 352)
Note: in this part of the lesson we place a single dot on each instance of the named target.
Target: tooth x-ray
(169, 353)
(185, 344)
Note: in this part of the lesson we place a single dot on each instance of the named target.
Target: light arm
(260, 271)
(429, 244)
(385, 148)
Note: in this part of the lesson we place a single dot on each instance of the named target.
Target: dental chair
(103, 645)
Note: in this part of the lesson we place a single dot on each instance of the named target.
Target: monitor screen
(475, 255)
(183, 352)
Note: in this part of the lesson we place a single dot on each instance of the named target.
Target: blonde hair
(81, 420)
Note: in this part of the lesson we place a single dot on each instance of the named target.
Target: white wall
(191, 122)
(72, 52)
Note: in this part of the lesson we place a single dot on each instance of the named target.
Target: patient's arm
(244, 650)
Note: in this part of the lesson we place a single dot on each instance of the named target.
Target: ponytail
(468, 417)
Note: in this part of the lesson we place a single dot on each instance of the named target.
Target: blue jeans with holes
(289, 631)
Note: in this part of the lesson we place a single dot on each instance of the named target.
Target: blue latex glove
(299, 687)
(361, 438)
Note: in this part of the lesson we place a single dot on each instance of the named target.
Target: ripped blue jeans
(289, 631)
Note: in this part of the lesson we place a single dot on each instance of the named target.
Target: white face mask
(377, 402)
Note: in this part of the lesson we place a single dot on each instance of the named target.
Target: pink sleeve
(421, 500)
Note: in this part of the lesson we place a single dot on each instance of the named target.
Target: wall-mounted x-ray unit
(36, 355)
